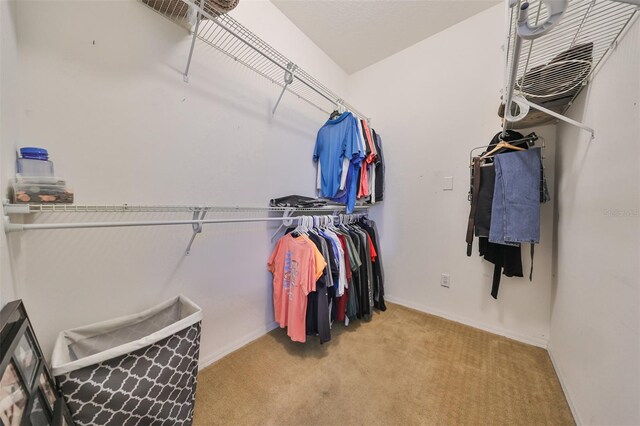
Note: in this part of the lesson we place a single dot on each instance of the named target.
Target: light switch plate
(447, 183)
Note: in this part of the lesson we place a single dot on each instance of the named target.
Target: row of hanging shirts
(326, 272)
(350, 161)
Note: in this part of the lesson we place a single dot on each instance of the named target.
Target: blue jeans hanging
(515, 212)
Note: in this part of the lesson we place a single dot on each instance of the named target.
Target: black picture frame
(28, 393)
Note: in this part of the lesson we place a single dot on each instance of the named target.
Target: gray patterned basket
(135, 370)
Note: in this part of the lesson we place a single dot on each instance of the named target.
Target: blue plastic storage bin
(34, 153)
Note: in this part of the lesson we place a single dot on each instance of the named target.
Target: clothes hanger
(335, 224)
(307, 225)
(530, 140)
(297, 231)
(340, 109)
(331, 226)
(500, 145)
(323, 222)
(343, 223)
(313, 226)
(301, 229)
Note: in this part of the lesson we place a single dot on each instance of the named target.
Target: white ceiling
(358, 33)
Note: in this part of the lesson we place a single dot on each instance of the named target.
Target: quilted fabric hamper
(134, 370)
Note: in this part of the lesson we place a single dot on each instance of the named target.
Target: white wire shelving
(228, 36)
(129, 208)
(539, 67)
(285, 215)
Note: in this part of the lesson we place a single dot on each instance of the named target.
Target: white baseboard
(234, 346)
(531, 340)
(565, 389)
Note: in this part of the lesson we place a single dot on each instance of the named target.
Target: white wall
(9, 130)
(432, 103)
(102, 89)
(595, 326)
(122, 125)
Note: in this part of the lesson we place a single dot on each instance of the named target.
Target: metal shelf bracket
(286, 221)
(10, 226)
(193, 43)
(521, 99)
(288, 79)
(199, 214)
(231, 38)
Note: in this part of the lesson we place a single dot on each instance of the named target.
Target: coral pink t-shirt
(296, 265)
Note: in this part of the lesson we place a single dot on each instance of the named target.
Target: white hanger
(300, 229)
(312, 225)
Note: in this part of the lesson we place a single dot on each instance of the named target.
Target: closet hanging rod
(128, 208)
(16, 227)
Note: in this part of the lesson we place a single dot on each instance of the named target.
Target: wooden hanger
(500, 146)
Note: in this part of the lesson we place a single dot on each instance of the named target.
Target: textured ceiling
(358, 33)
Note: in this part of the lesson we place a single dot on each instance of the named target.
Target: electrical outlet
(445, 280)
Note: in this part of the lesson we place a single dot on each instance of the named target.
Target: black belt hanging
(474, 204)
(495, 283)
(531, 271)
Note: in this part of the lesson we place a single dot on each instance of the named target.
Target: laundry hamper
(134, 370)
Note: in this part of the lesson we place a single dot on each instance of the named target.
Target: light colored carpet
(403, 367)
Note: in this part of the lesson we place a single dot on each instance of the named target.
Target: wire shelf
(127, 208)
(228, 36)
(286, 216)
(591, 28)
